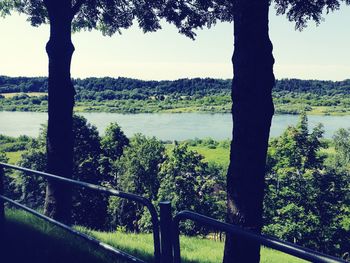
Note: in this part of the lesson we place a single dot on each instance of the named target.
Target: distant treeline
(125, 88)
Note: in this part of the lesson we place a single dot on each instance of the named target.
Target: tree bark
(60, 109)
(252, 113)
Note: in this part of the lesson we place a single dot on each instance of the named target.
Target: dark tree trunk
(61, 101)
(252, 112)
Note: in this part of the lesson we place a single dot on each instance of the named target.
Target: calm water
(163, 125)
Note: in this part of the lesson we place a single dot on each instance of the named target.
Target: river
(165, 126)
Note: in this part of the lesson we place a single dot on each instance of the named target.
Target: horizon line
(183, 78)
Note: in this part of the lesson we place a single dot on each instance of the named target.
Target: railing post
(2, 208)
(166, 225)
(176, 241)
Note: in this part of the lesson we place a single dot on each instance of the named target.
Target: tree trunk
(252, 112)
(61, 101)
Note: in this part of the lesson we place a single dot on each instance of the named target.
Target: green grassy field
(31, 94)
(193, 249)
(219, 103)
(41, 242)
(218, 155)
(28, 239)
(14, 156)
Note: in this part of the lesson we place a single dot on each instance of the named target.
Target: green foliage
(14, 157)
(136, 172)
(305, 201)
(9, 144)
(89, 208)
(107, 16)
(5, 7)
(190, 184)
(342, 147)
(184, 95)
(193, 249)
(307, 196)
(112, 145)
(190, 15)
(42, 242)
(32, 188)
(301, 12)
(114, 141)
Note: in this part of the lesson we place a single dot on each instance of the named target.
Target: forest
(125, 95)
(307, 197)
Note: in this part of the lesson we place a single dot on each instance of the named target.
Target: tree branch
(77, 6)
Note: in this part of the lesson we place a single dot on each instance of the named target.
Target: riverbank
(221, 103)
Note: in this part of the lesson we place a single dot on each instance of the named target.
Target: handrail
(75, 232)
(170, 252)
(108, 191)
(289, 248)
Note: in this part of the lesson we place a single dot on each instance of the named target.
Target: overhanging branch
(77, 6)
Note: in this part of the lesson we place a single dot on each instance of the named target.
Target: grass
(29, 239)
(30, 94)
(193, 249)
(218, 155)
(80, 108)
(14, 156)
(328, 110)
(328, 151)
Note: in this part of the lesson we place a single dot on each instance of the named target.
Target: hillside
(185, 87)
(125, 95)
(42, 242)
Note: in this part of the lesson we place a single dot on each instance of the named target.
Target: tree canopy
(107, 16)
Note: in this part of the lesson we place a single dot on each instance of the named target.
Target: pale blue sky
(321, 52)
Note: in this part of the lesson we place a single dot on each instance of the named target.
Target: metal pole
(176, 243)
(155, 225)
(2, 208)
(108, 191)
(166, 222)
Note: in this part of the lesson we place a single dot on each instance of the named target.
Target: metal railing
(167, 245)
(171, 252)
(100, 189)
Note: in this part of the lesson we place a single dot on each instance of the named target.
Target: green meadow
(41, 242)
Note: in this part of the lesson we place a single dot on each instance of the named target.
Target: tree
(306, 199)
(112, 145)
(89, 208)
(114, 141)
(294, 165)
(252, 112)
(136, 172)
(63, 16)
(342, 146)
(32, 188)
(252, 108)
(190, 184)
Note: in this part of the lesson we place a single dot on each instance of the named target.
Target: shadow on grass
(23, 243)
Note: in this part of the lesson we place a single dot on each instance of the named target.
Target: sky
(318, 52)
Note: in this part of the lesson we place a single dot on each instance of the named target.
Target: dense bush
(207, 95)
(307, 197)
(307, 188)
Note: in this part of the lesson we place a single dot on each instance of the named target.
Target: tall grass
(32, 240)
(27, 239)
(193, 249)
